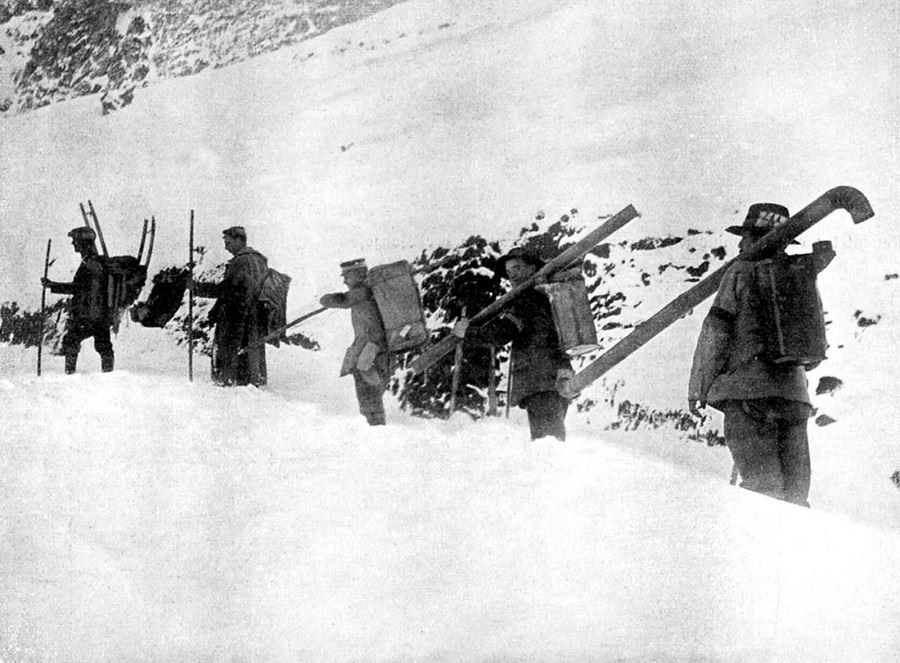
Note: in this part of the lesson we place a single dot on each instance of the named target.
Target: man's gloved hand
(563, 384)
(695, 405)
(47, 283)
(460, 328)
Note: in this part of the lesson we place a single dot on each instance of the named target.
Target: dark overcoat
(239, 318)
(536, 357)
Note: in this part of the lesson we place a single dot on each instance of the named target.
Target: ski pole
(190, 298)
(43, 307)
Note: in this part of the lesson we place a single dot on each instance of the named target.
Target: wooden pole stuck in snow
(43, 307)
(492, 384)
(191, 299)
(457, 369)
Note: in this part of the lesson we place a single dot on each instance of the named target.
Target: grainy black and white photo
(449, 330)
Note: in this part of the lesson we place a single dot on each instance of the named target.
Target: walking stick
(509, 384)
(457, 366)
(190, 300)
(492, 384)
(43, 307)
(457, 369)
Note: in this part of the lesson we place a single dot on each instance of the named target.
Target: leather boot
(71, 363)
(376, 419)
(107, 363)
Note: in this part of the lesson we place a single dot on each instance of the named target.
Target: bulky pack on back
(790, 311)
(123, 279)
(400, 304)
(572, 315)
(273, 295)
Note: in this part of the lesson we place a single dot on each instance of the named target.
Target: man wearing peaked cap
(367, 358)
(239, 317)
(82, 234)
(765, 405)
(89, 313)
(357, 264)
(236, 232)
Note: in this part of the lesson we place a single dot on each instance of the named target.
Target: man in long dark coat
(89, 313)
(367, 358)
(239, 317)
(536, 356)
(766, 406)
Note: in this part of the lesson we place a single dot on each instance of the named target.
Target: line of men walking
(766, 407)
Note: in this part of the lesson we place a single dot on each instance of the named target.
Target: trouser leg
(369, 397)
(103, 346)
(795, 463)
(547, 415)
(71, 344)
(755, 449)
(225, 356)
(252, 369)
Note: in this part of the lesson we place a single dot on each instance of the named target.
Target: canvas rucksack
(792, 322)
(273, 292)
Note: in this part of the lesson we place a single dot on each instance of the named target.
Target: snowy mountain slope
(146, 518)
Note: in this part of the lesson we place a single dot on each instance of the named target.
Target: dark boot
(71, 363)
(107, 363)
(376, 419)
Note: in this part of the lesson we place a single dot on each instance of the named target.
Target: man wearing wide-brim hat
(536, 357)
(765, 405)
(89, 313)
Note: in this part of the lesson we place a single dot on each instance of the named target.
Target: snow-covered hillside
(146, 518)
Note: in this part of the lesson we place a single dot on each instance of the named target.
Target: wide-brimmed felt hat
(528, 255)
(761, 218)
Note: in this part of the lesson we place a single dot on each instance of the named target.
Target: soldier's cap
(237, 232)
(761, 219)
(528, 255)
(83, 234)
(354, 265)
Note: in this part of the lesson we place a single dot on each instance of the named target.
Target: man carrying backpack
(240, 319)
(367, 358)
(537, 360)
(89, 312)
(765, 405)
